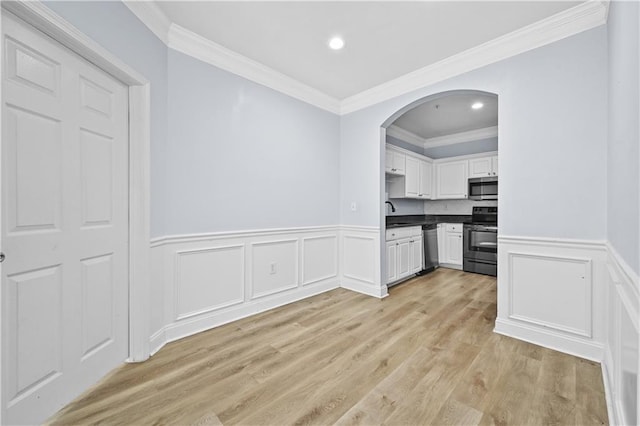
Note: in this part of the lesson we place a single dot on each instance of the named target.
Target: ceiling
(384, 40)
(449, 115)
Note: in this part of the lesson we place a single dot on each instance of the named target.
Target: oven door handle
(487, 243)
(484, 228)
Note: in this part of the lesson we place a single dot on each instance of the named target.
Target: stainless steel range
(480, 240)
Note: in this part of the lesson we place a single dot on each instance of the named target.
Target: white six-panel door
(64, 224)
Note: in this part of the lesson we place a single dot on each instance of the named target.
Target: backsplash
(404, 206)
(454, 206)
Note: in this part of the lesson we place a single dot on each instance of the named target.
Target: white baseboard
(451, 266)
(157, 341)
(549, 339)
(191, 326)
(364, 288)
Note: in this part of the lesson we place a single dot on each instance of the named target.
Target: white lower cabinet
(450, 245)
(404, 258)
(392, 263)
(404, 252)
(416, 248)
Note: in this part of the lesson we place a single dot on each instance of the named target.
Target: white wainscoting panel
(533, 278)
(324, 248)
(622, 345)
(274, 267)
(360, 257)
(207, 280)
(551, 292)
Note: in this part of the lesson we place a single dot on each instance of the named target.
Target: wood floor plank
(455, 413)
(383, 399)
(424, 355)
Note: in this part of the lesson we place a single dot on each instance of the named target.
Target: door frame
(46, 21)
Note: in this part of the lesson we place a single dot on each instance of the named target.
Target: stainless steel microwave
(484, 188)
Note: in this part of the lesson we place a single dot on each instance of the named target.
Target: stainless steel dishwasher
(430, 241)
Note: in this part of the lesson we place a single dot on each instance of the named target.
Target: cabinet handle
(411, 241)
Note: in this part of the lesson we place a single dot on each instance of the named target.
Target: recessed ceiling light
(477, 105)
(336, 43)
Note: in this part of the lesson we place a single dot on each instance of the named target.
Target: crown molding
(582, 17)
(572, 21)
(152, 16)
(405, 135)
(194, 45)
(455, 138)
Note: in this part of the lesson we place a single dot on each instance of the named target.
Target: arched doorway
(450, 136)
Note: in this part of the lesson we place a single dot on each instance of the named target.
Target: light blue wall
(112, 25)
(405, 145)
(244, 156)
(623, 161)
(465, 148)
(552, 141)
(226, 153)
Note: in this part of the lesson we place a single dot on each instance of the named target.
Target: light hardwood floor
(424, 355)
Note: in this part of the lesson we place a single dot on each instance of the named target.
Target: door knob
(1, 257)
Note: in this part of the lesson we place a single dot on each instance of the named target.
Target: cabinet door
(494, 165)
(394, 162)
(392, 268)
(480, 167)
(454, 248)
(388, 161)
(403, 256)
(416, 255)
(412, 177)
(399, 163)
(426, 180)
(452, 180)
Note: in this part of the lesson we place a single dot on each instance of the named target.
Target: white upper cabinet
(412, 178)
(395, 162)
(426, 179)
(417, 181)
(411, 175)
(483, 167)
(452, 179)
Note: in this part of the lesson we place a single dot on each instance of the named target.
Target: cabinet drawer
(405, 232)
(454, 227)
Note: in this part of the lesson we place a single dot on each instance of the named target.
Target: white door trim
(43, 19)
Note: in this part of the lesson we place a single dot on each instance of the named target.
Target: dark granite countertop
(425, 219)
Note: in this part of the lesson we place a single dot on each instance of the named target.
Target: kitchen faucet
(393, 209)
